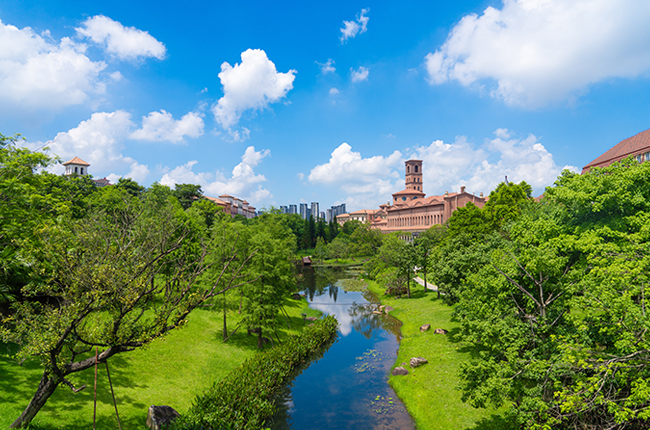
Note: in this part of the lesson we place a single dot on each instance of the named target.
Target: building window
(403, 199)
(75, 170)
(416, 169)
(82, 170)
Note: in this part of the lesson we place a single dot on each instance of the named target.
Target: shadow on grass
(494, 422)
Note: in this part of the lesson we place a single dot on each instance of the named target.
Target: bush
(243, 400)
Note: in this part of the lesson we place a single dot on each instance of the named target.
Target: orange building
(637, 146)
(412, 211)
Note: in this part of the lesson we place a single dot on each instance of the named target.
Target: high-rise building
(328, 215)
(315, 212)
(284, 209)
(293, 209)
(321, 215)
(304, 211)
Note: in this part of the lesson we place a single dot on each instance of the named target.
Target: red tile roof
(76, 160)
(399, 193)
(638, 143)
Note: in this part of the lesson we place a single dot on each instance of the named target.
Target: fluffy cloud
(252, 84)
(334, 91)
(327, 67)
(537, 52)
(359, 75)
(352, 28)
(98, 141)
(126, 43)
(448, 166)
(37, 73)
(369, 180)
(243, 182)
(160, 126)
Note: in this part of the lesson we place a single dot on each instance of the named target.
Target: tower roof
(76, 160)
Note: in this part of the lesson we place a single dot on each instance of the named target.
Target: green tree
(321, 248)
(338, 248)
(187, 194)
(273, 245)
(120, 278)
(131, 186)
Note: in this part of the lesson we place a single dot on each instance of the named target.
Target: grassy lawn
(170, 371)
(429, 392)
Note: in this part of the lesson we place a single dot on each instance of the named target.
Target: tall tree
(120, 278)
(187, 194)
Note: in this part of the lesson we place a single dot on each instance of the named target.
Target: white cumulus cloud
(161, 126)
(359, 75)
(243, 181)
(126, 43)
(327, 67)
(37, 72)
(251, 85)
(532, 53)
(352, 28)
(447, 166)
(369, 180)
(99, 141)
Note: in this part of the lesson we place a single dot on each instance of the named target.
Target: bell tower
(414, 175)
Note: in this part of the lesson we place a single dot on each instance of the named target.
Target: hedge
(243, 399)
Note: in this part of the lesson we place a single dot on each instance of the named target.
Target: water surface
(346, 386)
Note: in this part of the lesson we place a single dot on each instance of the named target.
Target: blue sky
(289, 102)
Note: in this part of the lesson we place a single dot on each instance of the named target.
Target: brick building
(637, 146)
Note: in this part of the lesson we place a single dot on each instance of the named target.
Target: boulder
(418, 361)
(296, 296)
(425, 327)
(440, 331)
(158, 417)
(400, 371)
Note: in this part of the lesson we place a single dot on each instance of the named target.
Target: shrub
(243, 399)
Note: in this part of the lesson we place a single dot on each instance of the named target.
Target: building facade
(637, 146)
(411, 211)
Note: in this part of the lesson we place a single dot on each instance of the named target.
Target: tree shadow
(495, 422)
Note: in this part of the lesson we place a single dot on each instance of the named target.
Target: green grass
(429, 392)
(170, 371)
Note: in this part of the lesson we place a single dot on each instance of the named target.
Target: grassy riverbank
(171, 371)
(429, 392)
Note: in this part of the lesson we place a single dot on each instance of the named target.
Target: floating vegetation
(382, 405)
(352, 285)
(368, 357)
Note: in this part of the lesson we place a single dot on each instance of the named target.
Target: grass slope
(170, 371)
(429, 392)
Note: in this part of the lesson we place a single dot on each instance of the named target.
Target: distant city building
(328, 215)
(315, 212)
(293, 209)
(284, 209)
(321, 216)
(304, 211)
(637, 146)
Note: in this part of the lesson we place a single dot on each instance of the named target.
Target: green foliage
(243, 399)
(338, 248)
(187, 194)
(554, 301)
(131, 186)
(272, 245)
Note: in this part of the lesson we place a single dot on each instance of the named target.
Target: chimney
(462, 189)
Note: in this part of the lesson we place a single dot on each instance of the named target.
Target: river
(346, 386)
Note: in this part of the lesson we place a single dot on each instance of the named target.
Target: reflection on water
(346, 388)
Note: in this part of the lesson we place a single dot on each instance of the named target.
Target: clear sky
(288, 102)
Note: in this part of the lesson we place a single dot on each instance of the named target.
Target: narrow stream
(346, 388)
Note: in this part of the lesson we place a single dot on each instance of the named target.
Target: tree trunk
(225, 329)
(408, 285)
(425, 279)
(45, 389)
